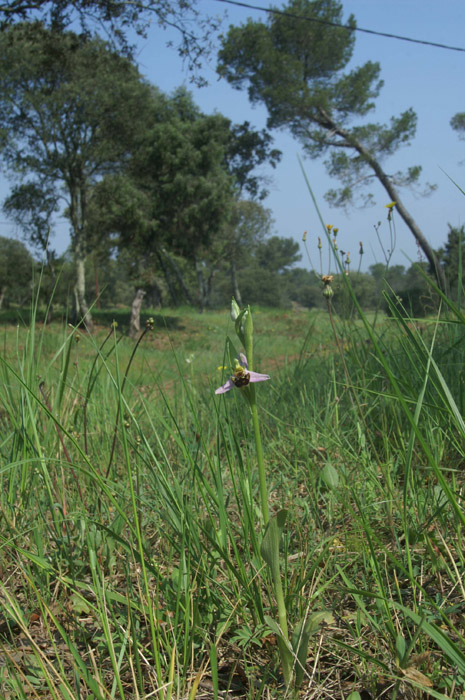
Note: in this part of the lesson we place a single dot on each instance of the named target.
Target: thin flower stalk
(244, 378)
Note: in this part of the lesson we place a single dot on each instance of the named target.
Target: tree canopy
(117, 17)
(71, 111)
(296, 65)
(16, 267)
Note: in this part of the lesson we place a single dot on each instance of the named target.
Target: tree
(32, 209)
(418, 298)
(303, 287)
(71, 110)
(452, 258)
(249, 225)
(277, 254)
(180, 171)
(247, 150)
(458, 124)
(118, 16)
(177, 197)
(16, 271)
(263, 280)
(294, 65)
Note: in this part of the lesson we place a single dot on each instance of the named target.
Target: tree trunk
(235, 284)
(77, 215)
(181, 280)
(154, 296)
(393, 195)
(2, 295)
(208, 287)
(97, 287)
(168, 279)
(51, 267)
(201, 286)
(82, 310)
(134, 323)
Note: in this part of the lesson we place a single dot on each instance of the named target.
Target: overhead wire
(317, 20)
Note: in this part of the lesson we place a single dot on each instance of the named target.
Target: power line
(274, 11)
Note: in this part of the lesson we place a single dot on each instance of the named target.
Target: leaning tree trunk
(384, 179)
(134, 323)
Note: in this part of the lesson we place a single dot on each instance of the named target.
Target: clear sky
(431, 80)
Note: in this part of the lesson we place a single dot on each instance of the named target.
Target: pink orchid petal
(226, 387)
(256, 377)
(243, 360)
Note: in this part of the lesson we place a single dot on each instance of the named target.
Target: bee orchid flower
(242, 376)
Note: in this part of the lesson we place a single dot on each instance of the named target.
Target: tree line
(267, 273)
(167, 200)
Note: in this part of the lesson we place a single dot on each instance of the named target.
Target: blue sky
(431, 80)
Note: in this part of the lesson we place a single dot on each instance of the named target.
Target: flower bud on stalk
(235, 310)
(248, 336)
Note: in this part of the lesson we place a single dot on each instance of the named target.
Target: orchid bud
(235, 310)
(248, 336)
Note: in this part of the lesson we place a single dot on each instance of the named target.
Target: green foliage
(302, 287)
(410, 289)
(369, 472)
(294, 67)
(261, 269)
(277, 254)
(16, 272)
(273, 59)
(364, 288)
(118, 17)
(458, 123)
(181, 166)
(32, 206)
(70, 111)
(294, 64)
(248, 149)
(62, 99)
(176, 199)
(452, 258)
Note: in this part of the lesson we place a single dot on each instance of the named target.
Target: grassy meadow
(131, 542)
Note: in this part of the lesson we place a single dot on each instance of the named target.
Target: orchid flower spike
(242, 376)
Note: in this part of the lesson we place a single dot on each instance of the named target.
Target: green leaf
(80, 605)
(400, 648)
(270, 544)
(285, 648)
(330, 476)
(239, 322)
(301, 639)
(448, 646)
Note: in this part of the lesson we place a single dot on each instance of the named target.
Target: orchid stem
(277, 583)
(244, 330)
(276, 577)
(260, 460)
